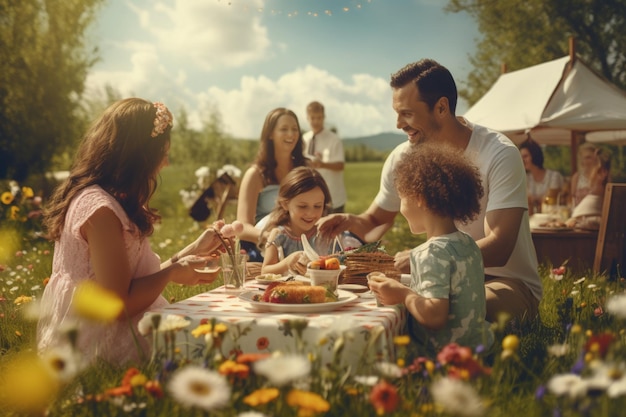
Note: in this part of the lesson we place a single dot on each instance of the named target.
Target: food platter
(344, 297)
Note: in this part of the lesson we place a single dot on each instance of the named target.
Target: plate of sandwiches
(296, 297)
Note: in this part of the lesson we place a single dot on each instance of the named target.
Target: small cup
(328, 278)
(372, 277)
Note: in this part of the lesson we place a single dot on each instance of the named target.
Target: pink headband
(162, 120)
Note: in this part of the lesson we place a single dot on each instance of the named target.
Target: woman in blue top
(279, 152)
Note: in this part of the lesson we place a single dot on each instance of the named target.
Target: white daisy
(616, 305)
(389, 370)
(617, 388)
(567, 384)
(457, 397)
(148, 323)
(173, 322)
(367, 380)
(63, 362)
(193, 386)
(558, 350)
(281, 370)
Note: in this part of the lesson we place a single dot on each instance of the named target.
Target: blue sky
(244, 57)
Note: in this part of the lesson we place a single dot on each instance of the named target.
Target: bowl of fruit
(325, 272)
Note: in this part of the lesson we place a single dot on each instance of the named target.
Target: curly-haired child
(438, 186)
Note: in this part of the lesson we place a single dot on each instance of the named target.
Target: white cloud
(361, 106)
(209, 34)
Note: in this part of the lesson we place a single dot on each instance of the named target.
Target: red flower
(599, 343)
(262, 343)
(454, 354)
(384, 396)
(154, 388)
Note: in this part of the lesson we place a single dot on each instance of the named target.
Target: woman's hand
(185, 271)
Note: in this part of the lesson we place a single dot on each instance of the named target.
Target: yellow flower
(307, 401)
(510, 342)
(22, 299)
(14, 212)
(138, 380)
(27, 192)
(7, 198)
(261, 396)
(27, 386)
(207, 328)
(96, 303)
(402, 340)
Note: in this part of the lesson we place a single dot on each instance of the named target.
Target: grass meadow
(569, 362)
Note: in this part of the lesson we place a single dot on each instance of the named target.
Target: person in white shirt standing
(325, 150)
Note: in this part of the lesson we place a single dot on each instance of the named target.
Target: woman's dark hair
(265, 159)
(121, 152)
(534, 149)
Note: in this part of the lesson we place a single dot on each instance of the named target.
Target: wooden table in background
(557, 246)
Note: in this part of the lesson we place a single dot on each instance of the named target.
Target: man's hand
(333, 224)
(402, 261)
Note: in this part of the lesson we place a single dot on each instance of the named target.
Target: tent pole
(574, 151)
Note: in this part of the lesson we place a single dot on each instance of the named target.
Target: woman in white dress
(540, 182)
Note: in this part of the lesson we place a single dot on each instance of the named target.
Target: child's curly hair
(447, 182)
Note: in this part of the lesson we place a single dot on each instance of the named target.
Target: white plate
(352, 287)
(345, 297)
(261, 280)
(208, 270)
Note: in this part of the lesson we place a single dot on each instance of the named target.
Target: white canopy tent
(558, 102)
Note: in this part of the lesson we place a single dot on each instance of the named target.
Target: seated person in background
(303, 199)
(581, 179)
(279, 152)
(438, 186)
(540, 182)
(586, 215)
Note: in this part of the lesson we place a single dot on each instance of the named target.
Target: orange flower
(252, 357)
(307, 402)
(229, 367)
(126, 390)
(384, 396)
(261, 396)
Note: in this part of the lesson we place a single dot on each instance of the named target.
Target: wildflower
(154, 388)
(307, 402)
(558, 350)
(251, 357)
(567, 384)
(262, 343)
(579, 281)
(384, 396)
(229, 367)
(616, 305)
(63, 362)
(510, 342)
(617, 388)
(457, 397)
(402, 340)
(251, 414)
(7, 198)
(292, 367)
(599, 343)
(193, 386)
(261, 396)
(22, 299)
(148, 323)
(454, 354)
(389, 370)
(173, 322)
(207, 328)
(27, 385)
(96, 303)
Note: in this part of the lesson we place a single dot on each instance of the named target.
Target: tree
(522, 33)
(44, 59)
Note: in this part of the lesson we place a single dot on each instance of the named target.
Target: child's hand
(387, 290)
(297, 262)
(402, 261)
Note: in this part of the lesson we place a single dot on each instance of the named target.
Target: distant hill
(380, 142)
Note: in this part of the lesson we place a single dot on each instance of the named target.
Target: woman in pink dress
(100, 220)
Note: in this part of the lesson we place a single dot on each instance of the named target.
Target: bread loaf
(294, 292)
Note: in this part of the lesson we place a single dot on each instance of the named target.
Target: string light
(355, 5)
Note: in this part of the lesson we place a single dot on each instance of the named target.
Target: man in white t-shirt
(325, 150)
(424, 99)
